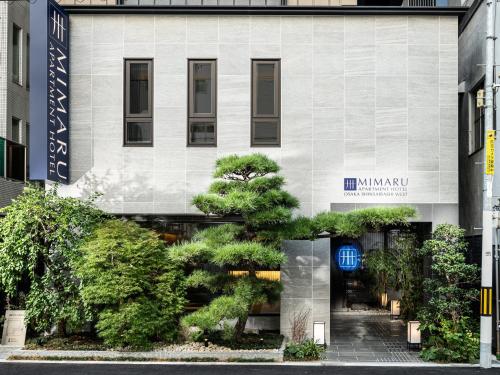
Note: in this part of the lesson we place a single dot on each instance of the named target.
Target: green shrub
(307, 350)
(135, 290)
(452, 343)
(446, 322)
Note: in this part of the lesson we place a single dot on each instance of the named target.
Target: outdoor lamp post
(414, 338)
(319, 333)
(395, 309)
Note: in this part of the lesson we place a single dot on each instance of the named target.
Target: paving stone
(368, 338)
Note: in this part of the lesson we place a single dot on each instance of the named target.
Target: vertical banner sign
(490, 152)
(49, 99)
(57, 72)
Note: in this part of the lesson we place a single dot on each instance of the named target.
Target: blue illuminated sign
(348, 257)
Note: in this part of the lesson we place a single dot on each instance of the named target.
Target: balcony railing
(12, 160)
(262, 3)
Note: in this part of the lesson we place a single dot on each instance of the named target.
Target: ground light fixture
(319, 333)
(395, 309)
(383, 299)
(414, 338)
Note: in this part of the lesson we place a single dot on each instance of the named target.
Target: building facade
(366, 97)
(14, 97)
(358, 105)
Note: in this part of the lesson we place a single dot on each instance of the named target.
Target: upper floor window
(16, 54)
(476, 123)
(265, 103)
(138, 123)
(15, 134)
(202, 106)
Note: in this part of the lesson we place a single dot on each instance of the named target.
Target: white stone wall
(361, 96)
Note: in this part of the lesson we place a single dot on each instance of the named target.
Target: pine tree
(247, 187)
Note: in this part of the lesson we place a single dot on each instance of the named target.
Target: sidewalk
(198, 358)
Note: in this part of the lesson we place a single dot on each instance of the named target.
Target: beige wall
(362, 96)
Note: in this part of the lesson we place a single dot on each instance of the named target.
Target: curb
(290, 364)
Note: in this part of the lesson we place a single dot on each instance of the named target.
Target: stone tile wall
(361, 96)
(306, 284)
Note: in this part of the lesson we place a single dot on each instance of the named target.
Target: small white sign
(14, 328)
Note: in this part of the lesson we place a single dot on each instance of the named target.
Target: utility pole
(487, 243)
(496, 182)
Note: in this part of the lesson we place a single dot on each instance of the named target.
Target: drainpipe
(487, 245)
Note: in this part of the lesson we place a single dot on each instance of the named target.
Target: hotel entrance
(354, 284)
(350, 280)
(361, 326)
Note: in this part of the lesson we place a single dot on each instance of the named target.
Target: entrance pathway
(368, 337)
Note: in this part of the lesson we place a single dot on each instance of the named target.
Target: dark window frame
(137, 117)
(193, 117)
(17, 30)
(476, 119)
(255, 117)
(19, 124)
(28, 57)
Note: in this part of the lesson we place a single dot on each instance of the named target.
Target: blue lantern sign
(348, 257)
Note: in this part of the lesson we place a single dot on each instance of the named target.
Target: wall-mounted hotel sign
(376, 186)
(348, 257)
(49, 104)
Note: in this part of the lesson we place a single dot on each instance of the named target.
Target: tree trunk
(240, 327)
(61, 328)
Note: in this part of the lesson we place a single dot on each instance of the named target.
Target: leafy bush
(399, 267)
(445, 319)
(450, 342)
(39, 239)
(306, 350)
(136, 292)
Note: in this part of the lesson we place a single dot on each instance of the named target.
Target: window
(476, 124)
(28, 61)
(265, 103)
(16, 130)
(16, 54)
(202, 108)
(138, 125)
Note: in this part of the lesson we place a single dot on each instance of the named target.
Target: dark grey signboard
(49, 99)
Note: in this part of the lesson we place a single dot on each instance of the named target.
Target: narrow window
(477, 126)
(16, 54)
(28, 61)
(202, 107)
(138, 127)
(16, 130)
(265, 103)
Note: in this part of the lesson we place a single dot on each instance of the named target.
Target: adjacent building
(14, 97)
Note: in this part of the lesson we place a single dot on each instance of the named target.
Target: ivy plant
(39, 238)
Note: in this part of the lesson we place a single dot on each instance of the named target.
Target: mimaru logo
(350, 184)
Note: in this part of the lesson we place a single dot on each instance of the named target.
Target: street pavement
(10, 368)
